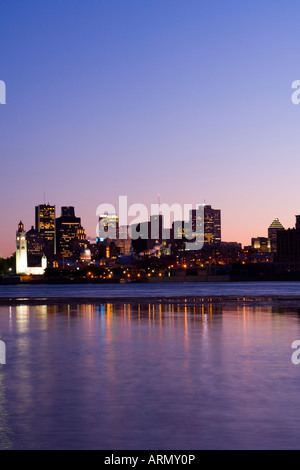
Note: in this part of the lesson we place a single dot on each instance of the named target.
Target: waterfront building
(21, 255)
(21, 250)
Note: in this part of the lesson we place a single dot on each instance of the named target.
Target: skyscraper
(146, 235)
(35, 247)
(45, 225)
(273, 230)
(212, 224)
(288, 248)
(67, 227)
(108, 227)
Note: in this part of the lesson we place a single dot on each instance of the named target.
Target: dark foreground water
(133, 376)
(164, 289)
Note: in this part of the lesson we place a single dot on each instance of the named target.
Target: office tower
(212, 225)
(67, 228)
(124, 242)
(35, 247)
(273, 230)
(45, 225)
(21, 250)
(108, 227)
(177, 236)
(288, 248)
(147, 235)
(211, 231)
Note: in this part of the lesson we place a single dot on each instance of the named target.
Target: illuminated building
(108, 227)
(45, 225)
(124, 242)
(67, 227)
(21, 255)
(206, 225)
(273, 230)
(81, 237)
(21, 250)
(261, 244)
(110, 231)
(85, 255)
(212, 225)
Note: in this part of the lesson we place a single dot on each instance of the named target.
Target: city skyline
(255, 233)
(129, 106)
(192, 247)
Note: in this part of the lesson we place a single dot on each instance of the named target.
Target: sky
(187, 99)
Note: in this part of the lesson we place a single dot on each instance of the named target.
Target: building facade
(204, 222)
(288, 249)
(273, 230)
(45, 226)
(35, 247)
(67, 228)
(261, 244)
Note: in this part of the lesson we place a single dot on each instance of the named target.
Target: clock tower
(21, 252)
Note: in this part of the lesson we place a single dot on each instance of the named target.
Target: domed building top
(85, 254)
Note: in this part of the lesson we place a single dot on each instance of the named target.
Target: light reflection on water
(130, 376)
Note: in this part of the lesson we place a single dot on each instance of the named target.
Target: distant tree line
(8, 265)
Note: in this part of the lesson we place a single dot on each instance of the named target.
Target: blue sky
(188, 99)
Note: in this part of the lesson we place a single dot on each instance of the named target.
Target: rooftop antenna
(158, 199)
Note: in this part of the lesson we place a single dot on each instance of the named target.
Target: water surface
(149, 377)
(243, 289)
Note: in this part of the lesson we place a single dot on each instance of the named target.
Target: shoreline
(260, 300)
